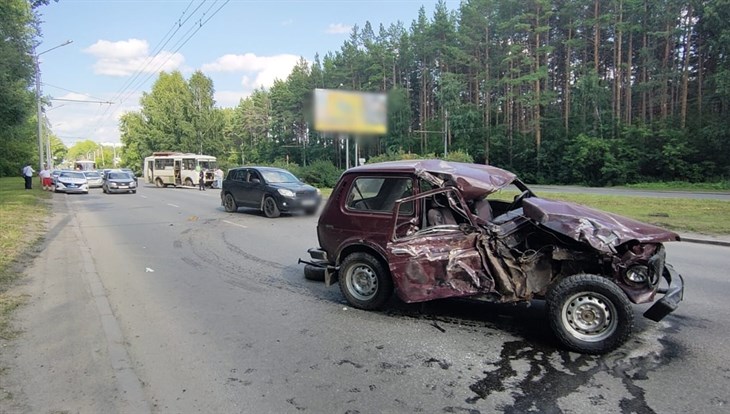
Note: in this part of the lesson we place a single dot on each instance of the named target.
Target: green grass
(22, 217)
(678, 214)
(720, 186)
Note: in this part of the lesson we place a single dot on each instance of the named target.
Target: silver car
(119, 182)
(71, 182)
(94, 179)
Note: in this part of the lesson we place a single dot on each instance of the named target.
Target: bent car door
(438, 260)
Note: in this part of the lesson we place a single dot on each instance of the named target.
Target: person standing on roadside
(45, 175)
(201, 180)
(218, 178)
(28, 176)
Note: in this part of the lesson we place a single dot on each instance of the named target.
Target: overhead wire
(131, 86)
(177, 48)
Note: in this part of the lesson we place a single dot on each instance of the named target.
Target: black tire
(364, 281)
(271, 210)
(134, 191)
(189, 182)
(314, 273)
(310, 211)
(103, 189)
(229, 203)
(158, 183)
(589, 314)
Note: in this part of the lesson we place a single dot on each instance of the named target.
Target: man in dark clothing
(201, 180)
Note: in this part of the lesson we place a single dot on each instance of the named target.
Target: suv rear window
(379, 194)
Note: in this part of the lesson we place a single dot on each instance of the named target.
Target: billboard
(348, 112)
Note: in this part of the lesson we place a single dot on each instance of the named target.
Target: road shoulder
(68, 340)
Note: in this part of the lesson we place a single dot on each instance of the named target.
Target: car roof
(255, 167)
(473, 180)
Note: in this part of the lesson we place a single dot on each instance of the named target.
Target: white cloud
(126, 57)
(338, 28)
(230, 99)
(258, 72)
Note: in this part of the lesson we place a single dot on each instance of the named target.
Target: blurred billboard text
(350, 112)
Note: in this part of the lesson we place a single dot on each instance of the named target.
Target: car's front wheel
(589, 314)
(271, 210)
(229, 203)
(364, 281)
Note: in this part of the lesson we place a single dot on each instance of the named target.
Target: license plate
(308, 202)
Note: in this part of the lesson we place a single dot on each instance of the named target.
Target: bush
(320, 174)
(456, 156)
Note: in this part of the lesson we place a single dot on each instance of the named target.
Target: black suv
(271, 190)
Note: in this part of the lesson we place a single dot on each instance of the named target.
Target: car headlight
(286, 193)
(113, 184)
(637, 274)
(132, 184)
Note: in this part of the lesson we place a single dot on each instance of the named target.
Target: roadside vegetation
(23, 215)
(719, 186)
(690, 215)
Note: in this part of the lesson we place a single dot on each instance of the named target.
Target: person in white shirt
(218, 178)
(28, 176)
(45, 175)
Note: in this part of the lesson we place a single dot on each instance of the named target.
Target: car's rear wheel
(229, 203)
(188, 182)
(270, 208)
(589, 314)
(159, 183)
(364, 281)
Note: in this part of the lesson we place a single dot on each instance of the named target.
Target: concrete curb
(706, 241)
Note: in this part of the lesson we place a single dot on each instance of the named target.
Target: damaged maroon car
(428, 229)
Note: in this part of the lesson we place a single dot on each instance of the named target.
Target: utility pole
(446, 131)
(40, 109)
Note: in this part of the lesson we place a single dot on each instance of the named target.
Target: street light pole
(40, 109)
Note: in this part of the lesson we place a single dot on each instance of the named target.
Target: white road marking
(143, 196)
(173, 205)
(235, 224)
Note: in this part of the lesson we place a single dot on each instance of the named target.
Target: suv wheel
(364, 282)
(589, 314)
(270, 208)
(229, 203)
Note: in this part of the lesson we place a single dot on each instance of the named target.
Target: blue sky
(244, 45)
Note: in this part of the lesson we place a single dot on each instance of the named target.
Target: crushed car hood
(601, 230)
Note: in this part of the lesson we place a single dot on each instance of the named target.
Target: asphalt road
(162, 302)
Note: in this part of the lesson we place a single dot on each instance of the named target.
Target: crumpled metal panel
(436, 267)
(601, 230)
(473, 180)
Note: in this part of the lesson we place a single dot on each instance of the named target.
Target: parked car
(429, 229)
(271, 190)
(71, 182)
(118, 181)
(131, 174)
(94, 179)
(54, 175)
